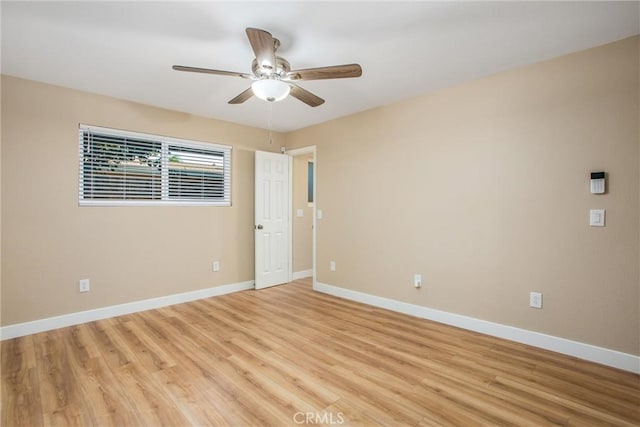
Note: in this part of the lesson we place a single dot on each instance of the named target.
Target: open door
(271, 219)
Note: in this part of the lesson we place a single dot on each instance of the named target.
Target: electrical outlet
(84, 285)
(535, 299)
(216, 265)
(417, 280)
(332, 265)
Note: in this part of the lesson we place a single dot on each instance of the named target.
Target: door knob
(259, 227)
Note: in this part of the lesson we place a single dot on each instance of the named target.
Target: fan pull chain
(270, 122)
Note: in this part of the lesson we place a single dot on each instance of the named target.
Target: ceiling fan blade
(263, 46)
(305, 96)
(321, 73)
(210, 71)
(242, 97)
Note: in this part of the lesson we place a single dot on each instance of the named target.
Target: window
(310, 183)
(130, 168)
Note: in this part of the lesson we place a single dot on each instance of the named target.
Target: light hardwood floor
(290, 356)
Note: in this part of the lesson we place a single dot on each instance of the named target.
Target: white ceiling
(126, 49)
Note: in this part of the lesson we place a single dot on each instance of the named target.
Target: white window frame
(165, 142)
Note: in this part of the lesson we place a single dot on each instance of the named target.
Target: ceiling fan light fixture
(270, 90)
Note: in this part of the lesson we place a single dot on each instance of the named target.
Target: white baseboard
(302, 274)
(42, 325)
(616, 359)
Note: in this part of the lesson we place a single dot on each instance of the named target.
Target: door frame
(294, 153)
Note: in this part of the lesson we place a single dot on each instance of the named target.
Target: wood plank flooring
(288, 356)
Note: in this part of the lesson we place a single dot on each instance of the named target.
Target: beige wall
(302, 226)
(128, 253)
(1, 203)
(484, 189)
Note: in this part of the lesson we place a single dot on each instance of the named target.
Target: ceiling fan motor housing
(262, 71)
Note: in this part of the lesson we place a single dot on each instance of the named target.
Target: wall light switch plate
(332, 265)
(596, 217)
(84, 285)
(319, 213)
(216, 266)
(299, 213)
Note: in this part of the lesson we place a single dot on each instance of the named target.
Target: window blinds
(121, 168)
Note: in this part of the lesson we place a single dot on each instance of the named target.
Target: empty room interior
(320, 213)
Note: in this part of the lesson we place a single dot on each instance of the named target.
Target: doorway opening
(303, 171)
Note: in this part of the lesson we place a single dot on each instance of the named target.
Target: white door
(272, 219)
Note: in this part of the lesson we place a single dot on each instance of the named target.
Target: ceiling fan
(273, 79)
